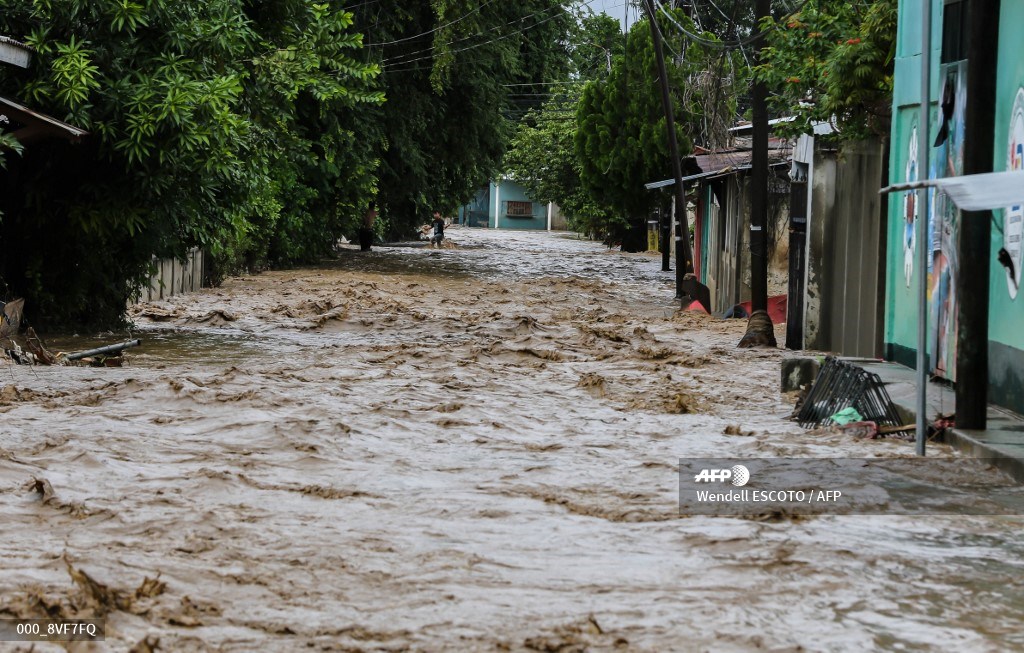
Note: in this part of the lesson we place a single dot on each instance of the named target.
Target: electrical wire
(724, 44)
(439, 27)
(403, 58)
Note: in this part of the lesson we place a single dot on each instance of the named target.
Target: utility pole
(759, 182)
(974, 245)
(760, 330)
(683, 239)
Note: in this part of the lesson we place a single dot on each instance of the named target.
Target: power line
(479, 45)
(730, 45)
(439, 27)
(402, 58)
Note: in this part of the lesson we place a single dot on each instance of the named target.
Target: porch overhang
(27, 125)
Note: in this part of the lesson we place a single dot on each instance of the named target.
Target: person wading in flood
(438, 225)
(366, 231)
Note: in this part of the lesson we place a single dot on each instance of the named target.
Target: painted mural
(1013, 216)
(910, 210)
(944, 224)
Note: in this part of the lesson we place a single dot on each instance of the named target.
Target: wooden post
(759, 184)
(673, 143)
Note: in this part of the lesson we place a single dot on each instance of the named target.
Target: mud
(471, 448)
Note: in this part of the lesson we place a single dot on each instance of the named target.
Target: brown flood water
(465, 449)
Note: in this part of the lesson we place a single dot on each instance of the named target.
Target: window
(519, 209)
(954, 31)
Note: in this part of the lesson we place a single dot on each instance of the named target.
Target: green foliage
(219, 123)
(833, 61)
(622, 140)
(258, 130)
(542, 158)
(542, 154)
(454, 72)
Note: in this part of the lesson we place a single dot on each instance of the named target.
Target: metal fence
(842, 384)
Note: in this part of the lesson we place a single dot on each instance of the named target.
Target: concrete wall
(504, 191)
(490, 208)
(843, 311)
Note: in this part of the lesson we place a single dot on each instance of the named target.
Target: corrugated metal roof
(723, 161)
(37, 124)
(9, 40)
(15, 52)
(671, 182)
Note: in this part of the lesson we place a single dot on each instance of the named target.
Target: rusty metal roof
(27, 125)
(10, 41)
(15, 52)
(727, 160)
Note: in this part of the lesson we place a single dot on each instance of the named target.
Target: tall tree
(622, 140)
(542, 153)
(455, 73)
(211, 124)
(832, 61)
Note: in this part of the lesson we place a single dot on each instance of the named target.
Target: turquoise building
(504, 204)
(945, 138)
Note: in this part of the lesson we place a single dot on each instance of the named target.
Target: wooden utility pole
(683, 243)
(760, 330)
(974, 245)
(759, 183)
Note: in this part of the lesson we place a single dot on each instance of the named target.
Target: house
(945, 138)
(718, 186)
(504, 204)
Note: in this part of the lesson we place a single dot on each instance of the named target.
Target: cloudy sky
(615, 9)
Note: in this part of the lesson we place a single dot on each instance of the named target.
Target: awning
(27, 125)
(984, 192)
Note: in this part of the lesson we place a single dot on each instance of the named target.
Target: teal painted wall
(1006, 301)
(1006, 334)
(901, 274)
(513, 192)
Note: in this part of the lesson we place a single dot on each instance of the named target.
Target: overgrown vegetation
(833, 62)
(260, 130)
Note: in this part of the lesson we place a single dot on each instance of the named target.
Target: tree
(212, 123)
(457, 74)
(833, 62)
(542, 154)
(621, 141)
(542, 158)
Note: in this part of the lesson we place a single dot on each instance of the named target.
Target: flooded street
(461, 449)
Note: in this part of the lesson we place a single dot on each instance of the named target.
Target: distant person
(438, 227)
(366, 232)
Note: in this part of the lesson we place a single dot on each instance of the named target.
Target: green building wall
(1006, 316)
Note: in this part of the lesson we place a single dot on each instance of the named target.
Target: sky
(615, 9)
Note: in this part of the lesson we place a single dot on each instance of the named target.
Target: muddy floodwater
(472, 448)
